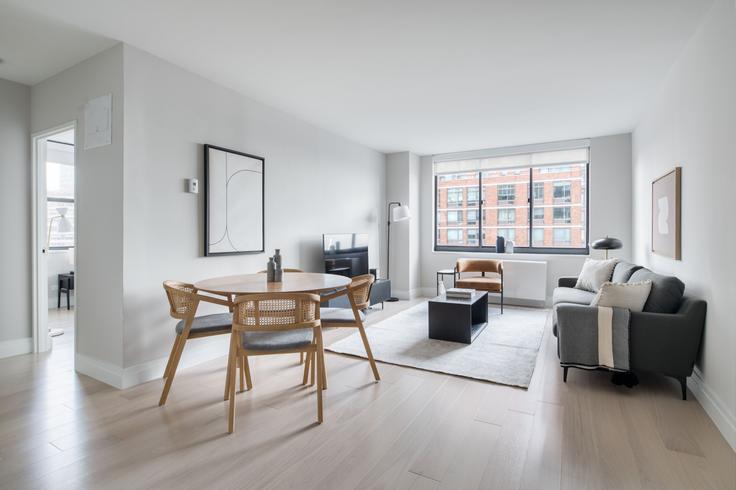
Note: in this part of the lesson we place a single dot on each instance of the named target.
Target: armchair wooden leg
(323, 371)
(241, 366)
(171, 355)
(246, 365)
(320, 361)
(368, 352)
(172, 371)
(306, 370)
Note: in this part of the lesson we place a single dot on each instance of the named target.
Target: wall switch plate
(193, 186)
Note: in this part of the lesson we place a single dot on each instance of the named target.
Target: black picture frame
(208, 252)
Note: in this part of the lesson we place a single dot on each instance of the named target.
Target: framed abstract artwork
(666, 214)
(234, 202)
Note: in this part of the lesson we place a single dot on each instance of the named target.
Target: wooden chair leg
(323, 371)
(231, 392)
(248, 382)
(171, 355)
(229, 371)
(172, 372)
(242, 373)
(301, 358)
(319, 360)
(312, 367)
(368, 352)
(306, 370)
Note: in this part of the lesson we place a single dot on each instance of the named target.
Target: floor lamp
(399, 212)
(64, 226)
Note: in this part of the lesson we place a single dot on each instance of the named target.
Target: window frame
(530, 249)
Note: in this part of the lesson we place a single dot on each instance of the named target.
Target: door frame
(40, 295)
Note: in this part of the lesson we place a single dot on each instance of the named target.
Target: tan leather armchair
(490, 278)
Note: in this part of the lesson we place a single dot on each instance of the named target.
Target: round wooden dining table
(292, 282)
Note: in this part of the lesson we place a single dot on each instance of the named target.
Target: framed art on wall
(234, 202)
(666, 214)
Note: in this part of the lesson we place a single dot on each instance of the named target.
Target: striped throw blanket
(592, 337)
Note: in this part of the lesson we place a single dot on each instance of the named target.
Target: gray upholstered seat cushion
(287, 339)
(623, 270)
(208, 323)
(338, 315)
(666, 294)
(572, 295)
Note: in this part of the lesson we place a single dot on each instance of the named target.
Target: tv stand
(380, 292)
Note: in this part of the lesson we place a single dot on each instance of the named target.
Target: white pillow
(629, 295)
(595, 273)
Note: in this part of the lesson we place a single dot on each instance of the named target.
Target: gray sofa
(664, 338)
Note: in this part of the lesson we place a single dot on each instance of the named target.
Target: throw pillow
(595, 273)
(630, 295)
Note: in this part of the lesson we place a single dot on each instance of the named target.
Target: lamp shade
(607, 243)
(400, 213)
(65, 225)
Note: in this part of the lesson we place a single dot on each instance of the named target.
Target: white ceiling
(428, 76)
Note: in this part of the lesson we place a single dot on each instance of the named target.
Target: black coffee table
(458, 320)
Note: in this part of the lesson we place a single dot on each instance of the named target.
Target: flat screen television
(346, 254)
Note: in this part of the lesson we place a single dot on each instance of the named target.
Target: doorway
(54, 236)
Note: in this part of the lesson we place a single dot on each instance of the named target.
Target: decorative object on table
(459, 293)
(277, 258)
(490, 280)
(441, 279)
(271, 270)
(594, 273)
(500, 244)
(64, 226)
(278, 273)
(399, 213)
(506, 352)
(666, 214)
(509, 247)
(607, 243)
(234, 202)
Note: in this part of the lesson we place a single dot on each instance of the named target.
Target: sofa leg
(564, 374)
(683, 387)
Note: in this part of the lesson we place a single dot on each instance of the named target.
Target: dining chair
(183, 302)
(274, 323)
(358, 294)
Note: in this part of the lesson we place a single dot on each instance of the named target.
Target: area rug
(505, 352)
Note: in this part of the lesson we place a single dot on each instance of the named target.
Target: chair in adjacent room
(490, 279)
(358, 294)
(275, 323)
(183, 302)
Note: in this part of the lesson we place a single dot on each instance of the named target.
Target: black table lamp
(607, 244)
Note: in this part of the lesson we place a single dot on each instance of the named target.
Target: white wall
(98, 207)
(15, 216)
(610, 214)
(316, 183)
(692, 124)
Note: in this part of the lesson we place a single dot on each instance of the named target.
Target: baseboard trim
(16, 347)
(103, 371)
(718, 412)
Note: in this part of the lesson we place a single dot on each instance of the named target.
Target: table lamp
(607, 243)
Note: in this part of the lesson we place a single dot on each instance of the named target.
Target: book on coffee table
(459, 293)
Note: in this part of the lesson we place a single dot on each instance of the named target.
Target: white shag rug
(505, 352)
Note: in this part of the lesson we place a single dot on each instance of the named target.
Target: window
(538, 216)
(472, 196)
(562, 192)
(454, 235)
(60, 195)
(562, 215)
(477, 200)
(506, 193)
(455, 196)
(539, 191)
(561, 236)
(506, 216)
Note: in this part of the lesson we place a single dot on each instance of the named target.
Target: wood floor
(413, 429)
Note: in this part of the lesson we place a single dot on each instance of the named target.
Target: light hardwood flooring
(413, 429)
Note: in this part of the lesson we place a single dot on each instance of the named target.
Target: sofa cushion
(492, 284)
(623, 270)
(666, 294)
(594, 273)
(629, 295)
(572, 295)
